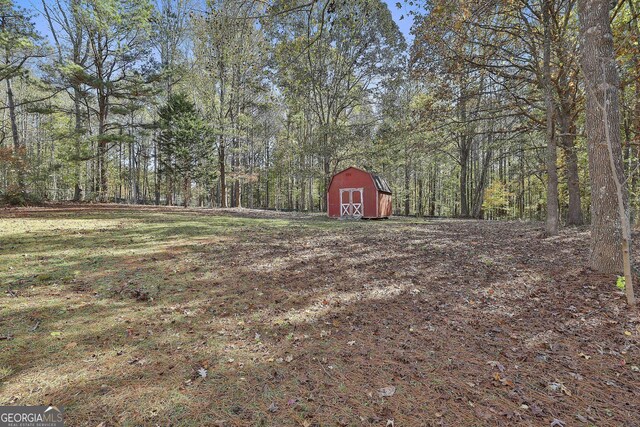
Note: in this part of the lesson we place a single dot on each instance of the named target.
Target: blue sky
(404, 24)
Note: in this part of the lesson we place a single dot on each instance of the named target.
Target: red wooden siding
(385, 208)
(375, 204)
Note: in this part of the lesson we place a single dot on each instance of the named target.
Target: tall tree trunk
(551, 226)
(327, 180)
(464, 172)
(223, 178)
(221, 143)
(478, 198)
(407, 176)
(102, 150)
(187, 190)
(635, 177)
(77, 192)
(574, 214)
(603, 136)
(16, 136)
(169, 201)
(432, 190)
(420, 207)
(156, 169)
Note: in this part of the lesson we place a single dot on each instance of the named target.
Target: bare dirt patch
(240, 318)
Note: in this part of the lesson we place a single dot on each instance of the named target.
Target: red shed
(354, 193)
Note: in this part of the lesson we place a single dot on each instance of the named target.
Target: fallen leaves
(495, 364)
(387, 391)
(582, 418)
(528, 323)
(504, 381)
(202, 372)
(558, 386)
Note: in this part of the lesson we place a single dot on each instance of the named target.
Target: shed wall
(385, 207)
(352, 178)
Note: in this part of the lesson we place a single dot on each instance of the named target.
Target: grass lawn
(150, 316)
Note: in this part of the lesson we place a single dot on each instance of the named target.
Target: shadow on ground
(173, 317)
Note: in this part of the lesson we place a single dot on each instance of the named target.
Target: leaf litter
(530, 338)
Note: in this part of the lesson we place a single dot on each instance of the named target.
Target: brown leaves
(498, 380)
(558, 386)
(387, 391)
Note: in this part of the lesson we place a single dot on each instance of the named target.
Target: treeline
(257, 104)
(223, 103)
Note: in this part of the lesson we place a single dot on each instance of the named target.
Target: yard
(156, 316)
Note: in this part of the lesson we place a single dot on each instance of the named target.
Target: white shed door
(351, 203)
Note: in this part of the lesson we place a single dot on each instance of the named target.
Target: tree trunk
(169, 201)
(464, 172)
(420, 207)
(551, 226)
(327, 180)
(223, 181)
(16, 136)
(187, 190)
(478, 198)
(407, 176)
(77, 193)
(221, 147)
(636, 115)
(602, 128)
(158, 173)
(574, 214)
(102, 151)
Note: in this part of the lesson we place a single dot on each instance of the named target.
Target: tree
(19, 43)
(230, 56)
(117, 34)
(183, 141)
(169, 37)
(71, 61)
(553, 216)
(610, 228)
(339, 54)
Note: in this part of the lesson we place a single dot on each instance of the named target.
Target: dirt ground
(146, 316)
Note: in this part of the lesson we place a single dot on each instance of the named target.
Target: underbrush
(19, 198)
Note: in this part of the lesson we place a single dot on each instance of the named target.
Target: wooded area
(246, 103)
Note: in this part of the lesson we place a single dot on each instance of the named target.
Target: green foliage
(496, 196)
(18, 39)
(621, 283)
(184, 141)
(327, 73)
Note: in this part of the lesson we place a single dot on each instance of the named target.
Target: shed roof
(381, 183)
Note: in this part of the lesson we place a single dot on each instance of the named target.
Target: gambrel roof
(381, 183)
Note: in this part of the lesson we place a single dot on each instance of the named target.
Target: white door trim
(349, 209)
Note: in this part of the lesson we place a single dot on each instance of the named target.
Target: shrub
(14, 197)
